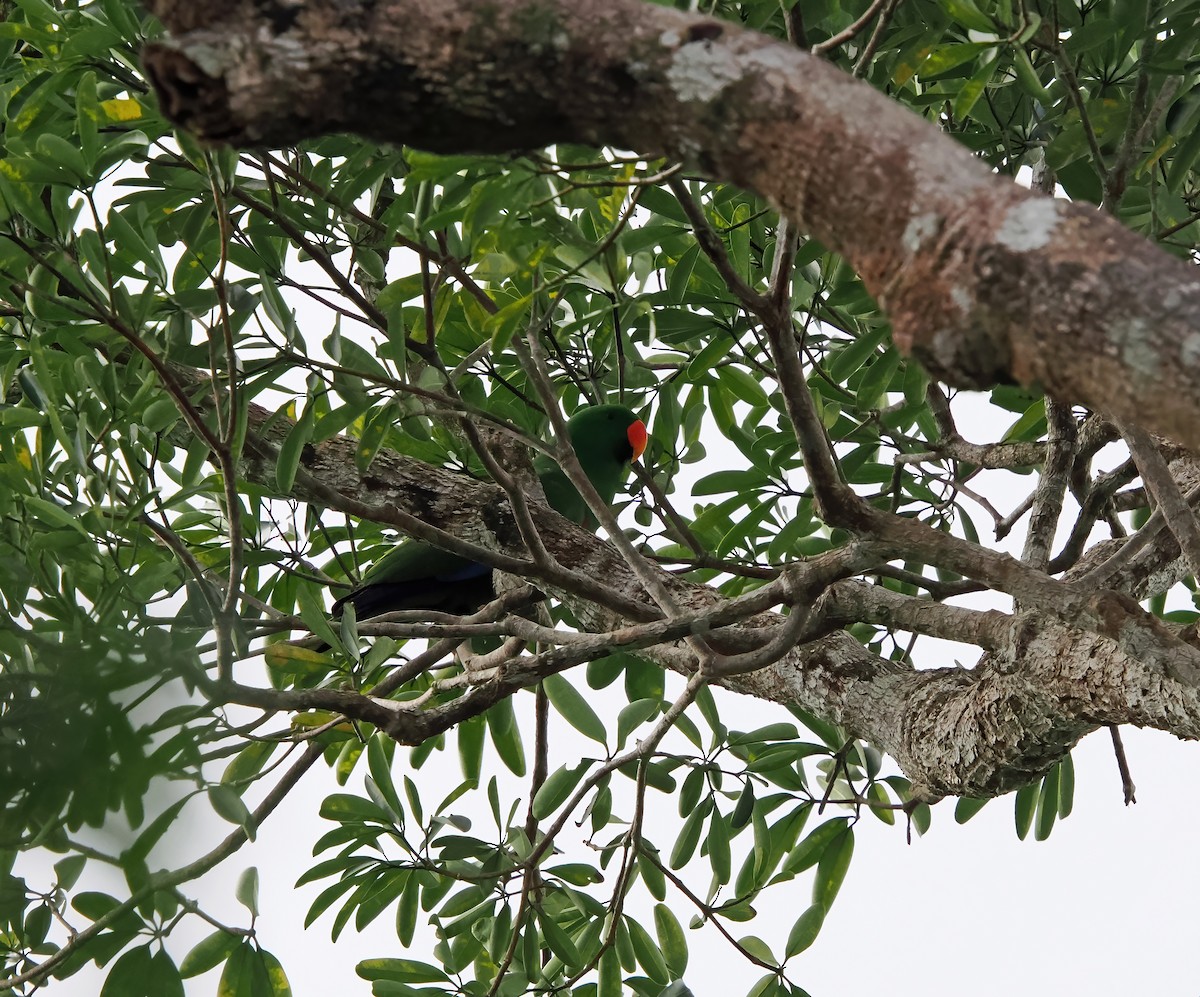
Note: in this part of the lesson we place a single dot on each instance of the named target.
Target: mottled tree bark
(1051, 675)
(984, 280)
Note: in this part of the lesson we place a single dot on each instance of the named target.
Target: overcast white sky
(1105, 907)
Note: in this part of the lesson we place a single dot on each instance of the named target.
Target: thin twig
(868, 53)
(1171, 502)
(1127, 786)
(711, 245)
(848, 34)
(1075, 92)
(1052, 486)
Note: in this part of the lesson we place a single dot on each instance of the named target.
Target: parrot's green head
(607, 439)
(607, 435)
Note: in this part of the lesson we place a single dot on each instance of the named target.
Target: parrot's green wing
(414, 575)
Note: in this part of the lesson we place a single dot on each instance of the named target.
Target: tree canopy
(291, 281)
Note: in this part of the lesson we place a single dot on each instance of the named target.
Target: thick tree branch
(1069, 663)
(984, 280)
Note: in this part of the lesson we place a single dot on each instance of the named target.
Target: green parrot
(414, 575)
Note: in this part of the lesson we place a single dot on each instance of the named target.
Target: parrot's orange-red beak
(638, 437)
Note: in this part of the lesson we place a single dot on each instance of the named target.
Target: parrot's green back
(415, 575)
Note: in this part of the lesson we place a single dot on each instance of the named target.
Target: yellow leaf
(281, 655)
(122, 109)
(1146, 167)
(312, 718)
(24, 454)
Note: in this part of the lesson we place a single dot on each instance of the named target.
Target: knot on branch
(189, 96)
(186, 15)
(1112, 610)
(964, 354)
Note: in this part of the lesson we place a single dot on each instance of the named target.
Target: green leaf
(1066, 787)
(471, 734)
(276, 307)
(831, 870)
(1031, 425)
(161, 415)
(1047, 807)
(401, 971)
(408, 910)
(136, 240)
(346, 807)
(504, 323)
(576, 873)
(809, 851)
(689, 838)
(1028, 77)
(968, 15)
(506, 736)
(312, 612)
(921, 817)
(292, 450)
(1026, 803)
(671, 940)
(56, 149)
(646, 952)
(380, 766)
(680, 275)
(852, 356)
(68, 870)
(771, 732)
(238, 976)
(767, 986)
(276, 977)
(756, 947)
(92, 904)
(970, 92)
(558, 940)
(966, 808)
(1183, 160)
(208, 954)
(569, 702)
(610, 979)
(227, 803)
(164, 978)
(248, 763)
(633, 715)
(130, 975)
(721, 482)
(53, 514)
(804, 932)
(649, 864)
(878, 795)
(556, 789)
(584, 264)
(872, 389)
(718, 848)
(247, 890)
(952, 56)
(744, 809)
